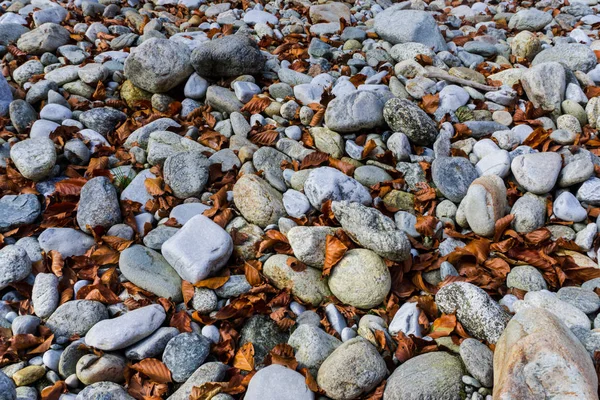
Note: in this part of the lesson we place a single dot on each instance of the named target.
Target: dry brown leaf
(182, 321)
(334, 251)
(431, 103)
(252, 274)
(213, 283)
(443, 326)
(154, 186)
(69, 187)
(55, 391)
(154, 369)
(256, 105)
(188, 291)
(426, 225)
(244, 357)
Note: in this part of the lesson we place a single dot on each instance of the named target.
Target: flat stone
(372, 230)
(434, 375)
(149, 270)
(75, 317)
(199, 249)
(277, 382)
(184, 354)
(479, 314)
(19, 210)
(354, 368)
(127, 329)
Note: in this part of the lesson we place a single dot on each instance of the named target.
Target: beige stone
(331, 12)
(537, 357)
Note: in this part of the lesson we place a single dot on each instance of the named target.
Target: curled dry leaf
(55, 391)
(334, 251)
(154, 186)
(214, 282)
(244, 357)
(251, 272)
(188, 291)
(443, 326)
(154, 369)
(182, 321)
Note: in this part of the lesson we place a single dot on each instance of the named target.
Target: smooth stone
(435, 375)
(103, 391)
(158, 65)
(277, 382)
(312, 346)
(538, 355)
(568, 314)
(264, 335)
(529, 212)
(537, 172)
(149, 270)
(75, 317)
(184, 354)
(34, 158)
(354, 368)
(416, 26)
(585, 300)
(19, 210)
(326, 183)
(307, 285)
(227, 56)
(209, 372)
(98, 205)
(15, 265)
(479, 314)
(527, 278)
(45, 296)
(257, 201)
(92, 368)
(478, 360)
(308, 243)
(355, 111)
(403, 115)
(198, 250)
(453, 176)
(360, 279)
(372, 230)
(127, 329)
(153, 346)
(67, 241)
(567, 207)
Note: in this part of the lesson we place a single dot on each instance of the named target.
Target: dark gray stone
(184, 354)
(227, 56)
(405, 116)
(453, 176)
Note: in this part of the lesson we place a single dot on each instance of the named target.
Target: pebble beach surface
(299, 200)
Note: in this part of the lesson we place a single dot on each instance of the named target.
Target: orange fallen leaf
(334, 251)
(154, 369)
(244, 357)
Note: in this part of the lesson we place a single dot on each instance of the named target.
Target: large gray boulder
(575, 56)
(355, 111)
(199, 249)
(18, 210)
(46, 38)
(480, 315)
(403, 115)
(149, 270)
(158, 65)
(98, 205)
(228, 56)
(403, 26)
(434, 375)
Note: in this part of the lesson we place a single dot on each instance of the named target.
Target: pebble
(198, 250)
(184, 354)
(149, 270)
(129, 328)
